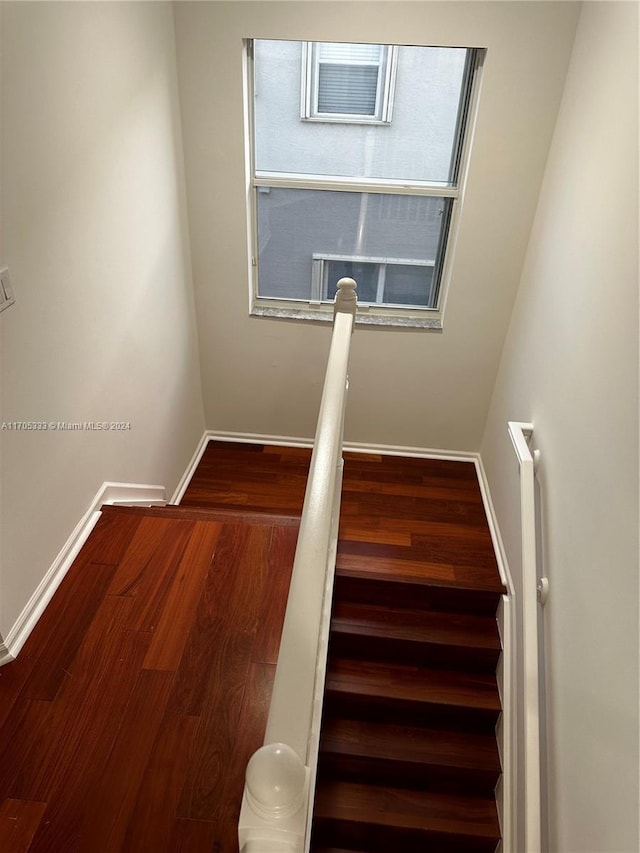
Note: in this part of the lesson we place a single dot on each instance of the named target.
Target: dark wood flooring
(128, 718)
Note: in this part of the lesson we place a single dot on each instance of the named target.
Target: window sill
(362, 319)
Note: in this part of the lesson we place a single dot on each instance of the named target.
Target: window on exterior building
(347, 82)
(337, 188)
(381, 281)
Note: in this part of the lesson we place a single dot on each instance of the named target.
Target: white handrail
(279, 788)
(532, 592)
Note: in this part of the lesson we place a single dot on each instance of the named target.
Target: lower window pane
(308, 239)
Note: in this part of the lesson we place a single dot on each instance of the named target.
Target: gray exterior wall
(416, 145)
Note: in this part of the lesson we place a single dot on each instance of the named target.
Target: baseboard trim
(506, 617)
(352, 446)
(296, 441)
(191, 469)
(130, 494)
(496, 538)
(505, 732)
(5, 657)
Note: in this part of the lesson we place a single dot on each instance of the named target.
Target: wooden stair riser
(372, 838)
(409, 713)
(433, 655)
(419, 777)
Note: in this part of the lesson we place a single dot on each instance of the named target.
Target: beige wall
(94, 231)
(570, 365)
(407, 387)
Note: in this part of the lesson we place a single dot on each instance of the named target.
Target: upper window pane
(361, 117)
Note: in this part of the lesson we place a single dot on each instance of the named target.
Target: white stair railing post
(277, 803)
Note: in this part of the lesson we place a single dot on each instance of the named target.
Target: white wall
(407, 387)
(95, 235)
(570, 365)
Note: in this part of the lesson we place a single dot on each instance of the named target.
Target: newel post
(275, 781)
(346, 301)
(273, 814)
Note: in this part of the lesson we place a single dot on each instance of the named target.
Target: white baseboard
(505, 731)
(492, 520)
(352, 446)
(5, 657)
(191, 469)
(294, 441)
(130, 494)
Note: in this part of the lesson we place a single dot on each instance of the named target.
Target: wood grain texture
(19, 820)
(429, 638)
(152, 819)
(412, 809)
(418, 745)
(12, 680)
(413, 684)
(171, 631)
(376, 818)
(151, 695)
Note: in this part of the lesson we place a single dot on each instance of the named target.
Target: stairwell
(408, 754)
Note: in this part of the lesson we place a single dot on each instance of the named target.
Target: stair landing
(128, 719)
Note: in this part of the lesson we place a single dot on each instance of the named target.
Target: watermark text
(65, 426)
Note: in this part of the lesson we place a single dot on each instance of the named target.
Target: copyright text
(65, 426)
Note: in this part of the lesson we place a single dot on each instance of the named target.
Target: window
(391, 281)
(347, 82)
(341, 189)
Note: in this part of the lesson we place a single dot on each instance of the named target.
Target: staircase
(408, 755)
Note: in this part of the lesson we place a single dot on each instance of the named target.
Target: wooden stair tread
(458, 629)
(226, 516)
(409, 809)
(410, 744)
(413, 684)
(398, 571)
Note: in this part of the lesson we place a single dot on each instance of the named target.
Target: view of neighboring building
(331, 114)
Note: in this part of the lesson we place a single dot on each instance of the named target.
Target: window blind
(349, 89)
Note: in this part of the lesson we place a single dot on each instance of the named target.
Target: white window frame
(385, 87)
(368, 314)
(320, 273)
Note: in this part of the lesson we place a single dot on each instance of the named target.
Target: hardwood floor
(130, 714)
(128, 718)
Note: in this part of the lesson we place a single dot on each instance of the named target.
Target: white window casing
(352, 83)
